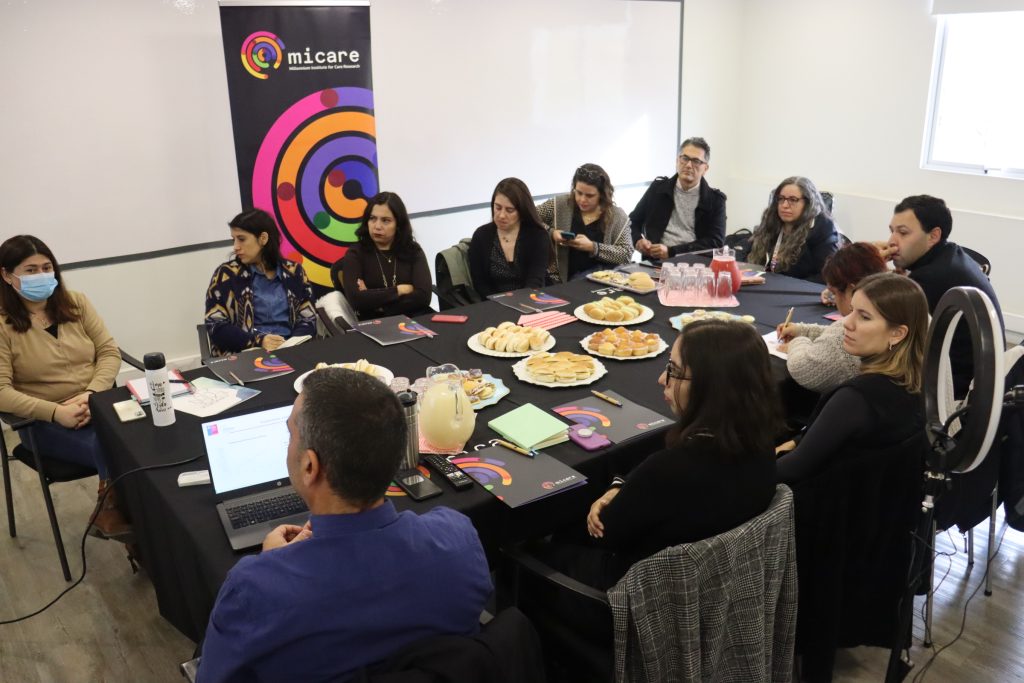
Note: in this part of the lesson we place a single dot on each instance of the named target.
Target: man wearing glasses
(682, 213)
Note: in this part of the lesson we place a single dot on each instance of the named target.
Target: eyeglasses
(691, 161)
(792, 201)
(673, 371)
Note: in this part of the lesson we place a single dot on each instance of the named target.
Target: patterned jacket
(230, 315)
(614, 248)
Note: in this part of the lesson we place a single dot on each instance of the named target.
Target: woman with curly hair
(796, 234)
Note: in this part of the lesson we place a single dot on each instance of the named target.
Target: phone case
(446, 318)
(592, 442)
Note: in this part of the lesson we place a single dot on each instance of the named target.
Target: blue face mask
(37, 287)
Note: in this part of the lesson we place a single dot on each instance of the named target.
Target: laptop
(248, 469)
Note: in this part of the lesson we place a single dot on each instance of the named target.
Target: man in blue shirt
(360, 580)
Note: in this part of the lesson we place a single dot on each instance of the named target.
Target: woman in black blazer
(796, 235)
(513, 250)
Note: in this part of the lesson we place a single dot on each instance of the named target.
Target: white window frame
(927, 162)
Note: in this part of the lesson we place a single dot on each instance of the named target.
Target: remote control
(450, 471)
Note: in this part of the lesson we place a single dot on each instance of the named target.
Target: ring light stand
(967, 448)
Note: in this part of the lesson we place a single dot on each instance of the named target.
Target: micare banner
(301, 92)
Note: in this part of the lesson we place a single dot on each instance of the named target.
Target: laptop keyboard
(256, 512)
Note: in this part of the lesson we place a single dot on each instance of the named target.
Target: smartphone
(587, 439)
(448, 318)
(568, 235)
(416, 485)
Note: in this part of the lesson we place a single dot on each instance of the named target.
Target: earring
(891, 344)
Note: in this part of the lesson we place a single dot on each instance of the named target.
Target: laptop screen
(247, 450)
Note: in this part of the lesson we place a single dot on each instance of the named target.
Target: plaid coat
(721, 609)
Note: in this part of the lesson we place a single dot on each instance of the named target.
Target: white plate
(644, 316)
(475, 345)
(623, 286)
(500, 392)
(519, 369)
(677, 320)
(661, 347)
(381, 373)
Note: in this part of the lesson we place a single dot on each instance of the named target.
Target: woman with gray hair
(796, 234)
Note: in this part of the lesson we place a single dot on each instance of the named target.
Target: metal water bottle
(408, 399)
(159, 389)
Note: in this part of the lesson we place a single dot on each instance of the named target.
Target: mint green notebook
(528, 427)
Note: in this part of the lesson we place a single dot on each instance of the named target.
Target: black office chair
(980, 259)
(50, 471)
(829, 199)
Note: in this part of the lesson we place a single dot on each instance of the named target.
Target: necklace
(508, 239)
(41, 316)
(394, 270)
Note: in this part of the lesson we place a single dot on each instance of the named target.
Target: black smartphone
(416, 485)
(567, 235)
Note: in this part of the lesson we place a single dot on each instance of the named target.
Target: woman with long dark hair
(386, 272)
(598, 230)
(513, 250)
(796, 234)
(882, 406)
(258, 298)
(54, 352)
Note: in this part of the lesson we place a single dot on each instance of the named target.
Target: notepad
(139, 388)
(530, 427)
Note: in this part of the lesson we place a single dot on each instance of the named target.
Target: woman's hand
(785, 448)
(658, 251)
(559, 237)
(71, 416)
(271, 342)
(583, 243)
(405, 289)
(594, 525)
(360, 285)
(828, 298)
(643, 245)
(786, 332)
(82, 400)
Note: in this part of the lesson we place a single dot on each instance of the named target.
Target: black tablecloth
(182, 544)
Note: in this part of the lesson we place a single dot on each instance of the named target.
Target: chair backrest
(829, 199)
(740, 241)
(981, 260)
(338, 309)
(454, 282)
(205, 348)
(854, 526)
(719, 609)
(336, 276)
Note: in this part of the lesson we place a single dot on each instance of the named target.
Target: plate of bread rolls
(509, 340)
(623, 311)
(623, 344)
(562, 369)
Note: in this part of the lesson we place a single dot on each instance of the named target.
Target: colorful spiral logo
(584, 415)
(395, 490)
(542, 298)
(315, 170)
(270, 364)
(262, 51)
(413, 329)
(487, 471)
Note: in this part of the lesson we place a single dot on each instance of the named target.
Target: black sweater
(869, 412)
(684, 494)
(381, 299)
(532, 254)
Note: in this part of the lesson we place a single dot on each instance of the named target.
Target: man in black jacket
(682, 213)
(919, 243)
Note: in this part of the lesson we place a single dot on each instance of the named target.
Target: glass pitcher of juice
(724, 259)
(446, 416)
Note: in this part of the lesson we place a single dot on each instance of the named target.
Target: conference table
(180, 539)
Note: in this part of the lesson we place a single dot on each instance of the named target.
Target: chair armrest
(332, 326)
(535, 566)
(15, 422)
(131, 360)
(205, 352)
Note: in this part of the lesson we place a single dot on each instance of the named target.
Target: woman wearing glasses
(796, 234)
(588, 230)
(716, 471)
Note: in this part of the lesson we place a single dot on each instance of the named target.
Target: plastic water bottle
(408, 399)
(159, 389)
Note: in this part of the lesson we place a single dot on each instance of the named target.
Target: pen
(789, 316)
(240, 382)
(513, 447)
(531, 308)
(606, 397)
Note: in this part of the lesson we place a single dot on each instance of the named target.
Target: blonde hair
(900, 301)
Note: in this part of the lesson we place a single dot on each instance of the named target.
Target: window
(977, 104)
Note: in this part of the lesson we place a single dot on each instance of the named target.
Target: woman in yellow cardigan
(54, 352)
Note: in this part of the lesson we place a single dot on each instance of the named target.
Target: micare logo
(261, 52)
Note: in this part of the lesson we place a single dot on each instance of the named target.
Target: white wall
(838, 91)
